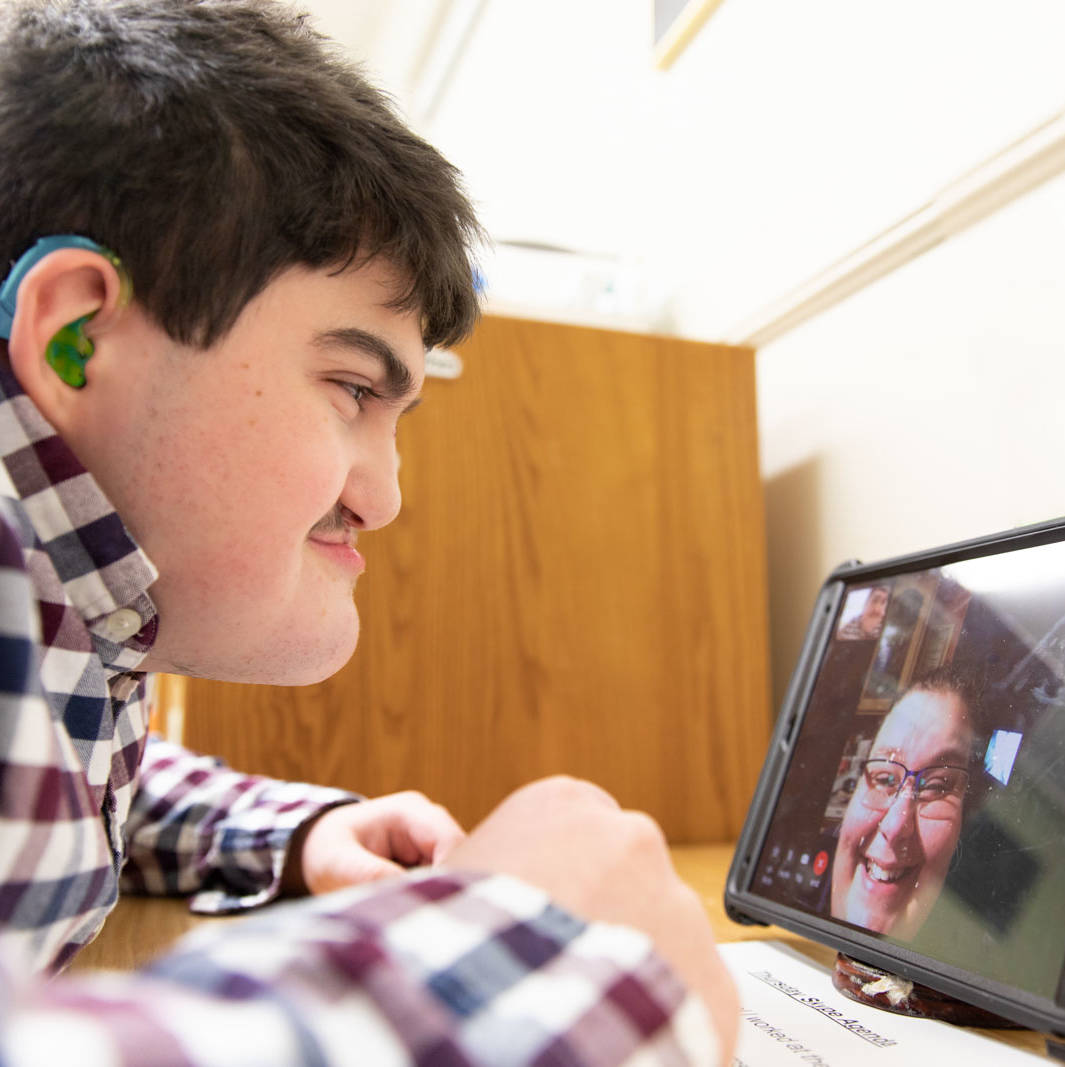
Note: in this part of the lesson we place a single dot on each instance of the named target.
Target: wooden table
(141, 927)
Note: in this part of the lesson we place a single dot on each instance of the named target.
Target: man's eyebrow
(399, 382)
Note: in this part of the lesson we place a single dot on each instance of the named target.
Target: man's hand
(372, 839)
(573, 840)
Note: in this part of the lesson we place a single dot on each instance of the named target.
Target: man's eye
(358, 393)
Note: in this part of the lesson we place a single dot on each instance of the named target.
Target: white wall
(927, 408)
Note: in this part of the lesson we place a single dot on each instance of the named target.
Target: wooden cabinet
(576, 584)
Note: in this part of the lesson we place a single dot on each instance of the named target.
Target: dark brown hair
(948, 679)
(212, 144)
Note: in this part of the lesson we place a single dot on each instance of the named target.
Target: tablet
(911, 809)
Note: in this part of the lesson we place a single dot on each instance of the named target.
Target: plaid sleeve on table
(196, 826)
(432, 969)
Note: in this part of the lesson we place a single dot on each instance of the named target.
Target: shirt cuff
(225, 901)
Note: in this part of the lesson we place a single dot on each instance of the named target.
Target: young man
(227, 260)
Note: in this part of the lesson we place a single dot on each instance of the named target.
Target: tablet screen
(924, 801)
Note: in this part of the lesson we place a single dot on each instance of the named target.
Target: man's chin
(296, 664)
(276, 657)
(330, 661)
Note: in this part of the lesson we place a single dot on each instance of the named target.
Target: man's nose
(372, 491)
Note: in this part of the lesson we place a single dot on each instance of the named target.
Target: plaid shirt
(430, 968)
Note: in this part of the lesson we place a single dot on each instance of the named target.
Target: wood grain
(576, 584)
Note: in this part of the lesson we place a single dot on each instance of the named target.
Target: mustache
(339, 520)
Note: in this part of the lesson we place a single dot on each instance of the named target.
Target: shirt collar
(105, 575)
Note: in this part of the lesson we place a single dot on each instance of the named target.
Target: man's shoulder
(19, 620)
(16, 542)
(16, 535)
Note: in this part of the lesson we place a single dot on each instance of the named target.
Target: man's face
(872, 617)
(890, 864)
(246, 470)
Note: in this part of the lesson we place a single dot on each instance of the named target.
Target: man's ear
(65, 286)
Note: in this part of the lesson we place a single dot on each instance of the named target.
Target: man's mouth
(342, 552)
(346, 538)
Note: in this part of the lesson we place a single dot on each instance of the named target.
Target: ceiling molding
(999, 180)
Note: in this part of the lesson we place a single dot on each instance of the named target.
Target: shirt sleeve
(198, 827)
(434, 968)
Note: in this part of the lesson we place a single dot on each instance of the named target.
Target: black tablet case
(982, 942)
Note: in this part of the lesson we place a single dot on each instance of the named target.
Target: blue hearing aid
(69, 350)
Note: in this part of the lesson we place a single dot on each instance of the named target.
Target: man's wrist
(292, 882)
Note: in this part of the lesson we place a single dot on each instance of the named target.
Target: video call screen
(925, 797)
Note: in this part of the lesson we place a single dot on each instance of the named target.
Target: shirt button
(122, 624)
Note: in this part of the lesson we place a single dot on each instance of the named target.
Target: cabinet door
(576, 584)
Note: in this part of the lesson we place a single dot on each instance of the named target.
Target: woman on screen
(902, 822)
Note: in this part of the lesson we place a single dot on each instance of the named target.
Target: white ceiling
(785, 135)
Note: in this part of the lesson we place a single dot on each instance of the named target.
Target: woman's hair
(948, 679)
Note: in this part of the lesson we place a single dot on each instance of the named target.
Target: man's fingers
(376, 839)
(354, 868)
(419, 830)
